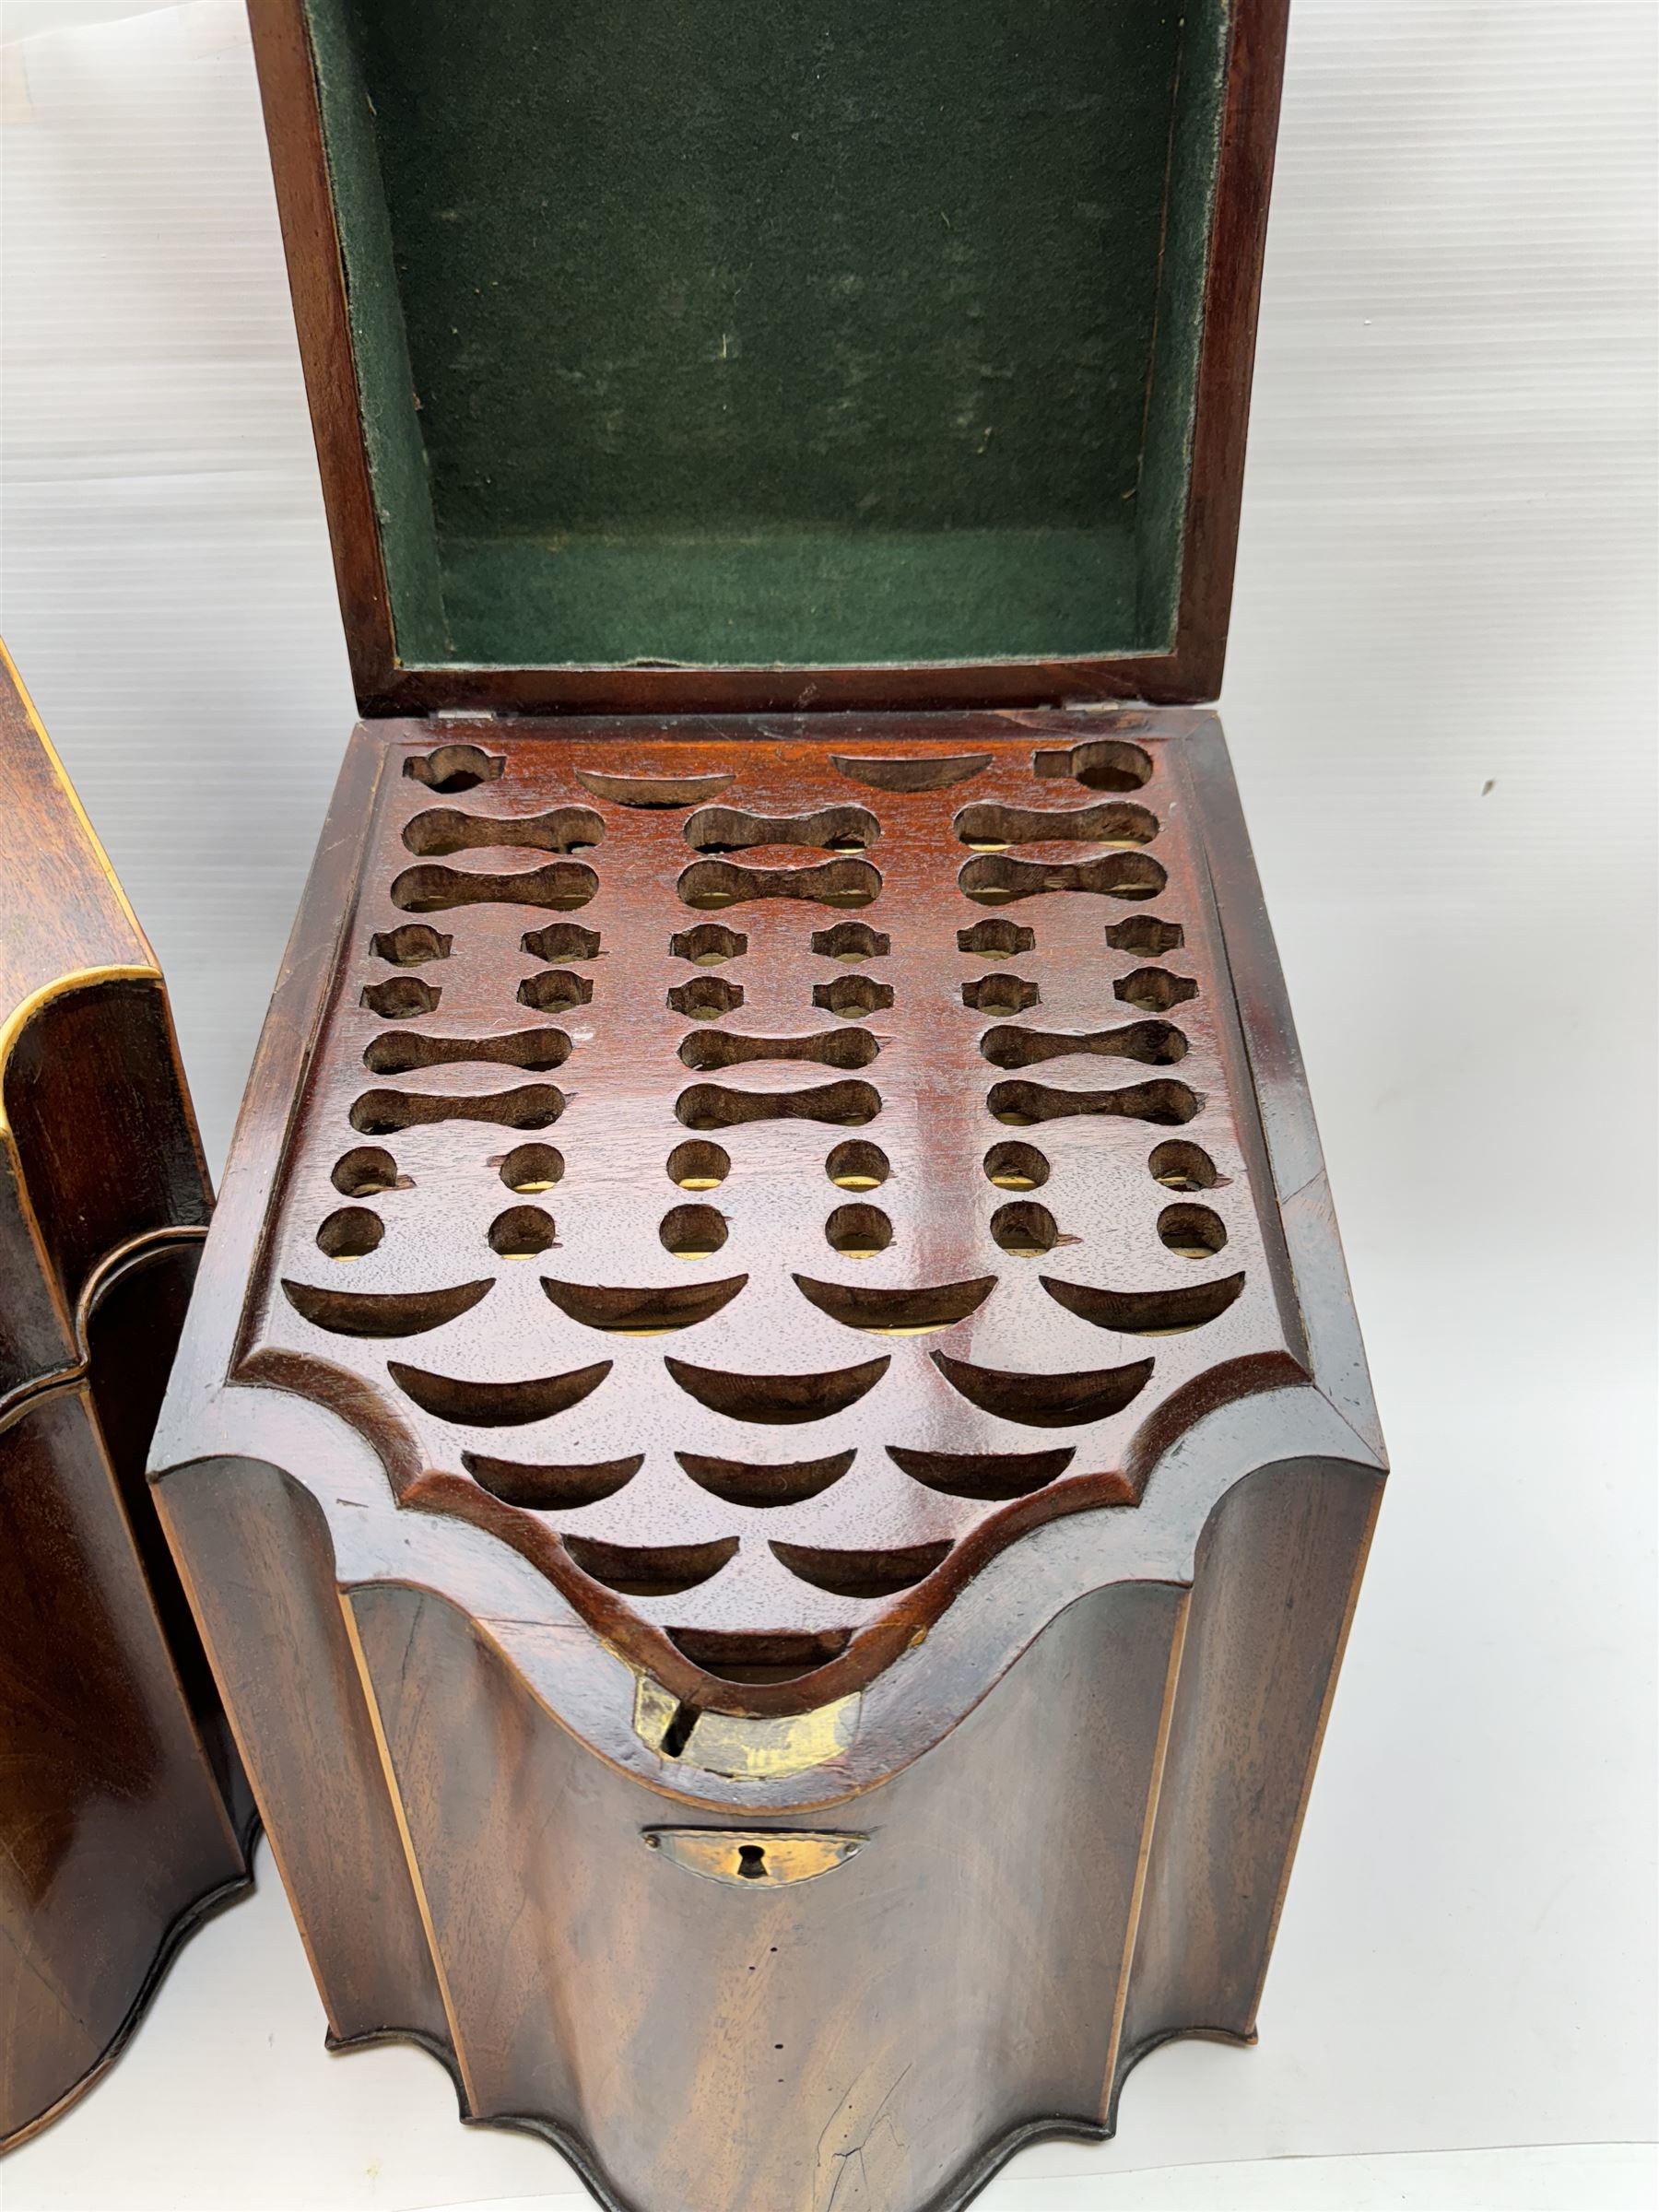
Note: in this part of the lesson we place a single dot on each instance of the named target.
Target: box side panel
(257, 1562)
(1278, 1572)
(865, 2034)
(113, 1838)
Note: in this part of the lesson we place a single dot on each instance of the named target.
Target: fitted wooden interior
(757, 1181)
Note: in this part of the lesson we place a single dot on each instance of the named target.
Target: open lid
(668, 359)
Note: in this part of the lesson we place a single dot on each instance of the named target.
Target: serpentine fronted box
(771, 1450)
(124, 1817)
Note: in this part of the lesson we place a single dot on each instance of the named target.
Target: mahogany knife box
(770, 1449)
(125, 1818)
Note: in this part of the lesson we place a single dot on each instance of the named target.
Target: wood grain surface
(812, 1653)
(124, 1815)
(714, 1240)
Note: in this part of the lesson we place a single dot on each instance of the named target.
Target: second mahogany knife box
(771, 1450)
(124, 1817)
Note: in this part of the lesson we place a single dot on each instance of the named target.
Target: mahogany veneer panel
(783, 1270)
(124, 1814)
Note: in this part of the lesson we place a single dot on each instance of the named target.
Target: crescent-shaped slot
(650, 1569)
(777, 1398)
(551, 1490)
(497, 1405)
(759, 1654)
(898, 1312)
(742, 1482)
(382, 1313)
(1046, 1401)
(861, 1573)
(652, 791)
(644, 1312)
(998, 1475)
(1146, 1312)
(925, 771)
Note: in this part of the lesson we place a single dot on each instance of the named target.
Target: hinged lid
(725, 357)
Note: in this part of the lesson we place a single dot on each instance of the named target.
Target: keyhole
(751, 1863)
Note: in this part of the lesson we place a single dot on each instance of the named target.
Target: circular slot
(692, 1232)
(706, 997)
(1098, 763)
(851, 942)
(555, 991)
(409, 945)
(1013, 1167)
(708, 945)
(529, 1167)
(1025, 1230)
(365, 1172)
(1154, 990)
(857, 1166)
(858, 1232)
(1000, 995)
(522, 1232)
(996, 940)
(561, 941)
(1180, 1166)
(1193, 1231)
(454, 767)
(350, 1232)
(401, 997)
(1146, 934)
(853, 997)
(698, 1166)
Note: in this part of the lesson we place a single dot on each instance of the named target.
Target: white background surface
(1440, 701)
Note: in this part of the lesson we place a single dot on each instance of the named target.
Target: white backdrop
(1439, 700)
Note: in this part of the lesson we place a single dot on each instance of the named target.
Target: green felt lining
(730, 334)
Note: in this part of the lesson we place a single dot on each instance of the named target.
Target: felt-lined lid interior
(729, 334)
